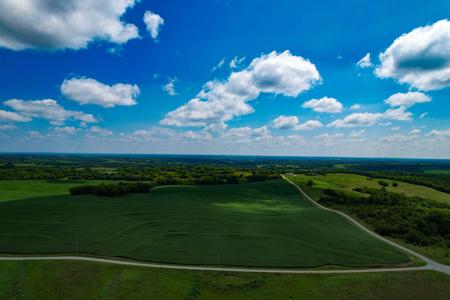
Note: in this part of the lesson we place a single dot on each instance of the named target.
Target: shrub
(310, 183)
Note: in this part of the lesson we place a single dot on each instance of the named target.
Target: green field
(263, 224)
(55, 280)
(347, 182)
(24, 189)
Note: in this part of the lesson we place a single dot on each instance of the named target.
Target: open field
(263, 224)
(347, 182)
(85, 280)
(24, 189)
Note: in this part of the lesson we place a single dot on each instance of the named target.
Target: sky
(254, 77)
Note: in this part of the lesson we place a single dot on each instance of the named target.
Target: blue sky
(98, 76)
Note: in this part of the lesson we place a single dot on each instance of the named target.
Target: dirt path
(430, 264)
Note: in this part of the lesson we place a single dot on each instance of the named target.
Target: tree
(310, 183)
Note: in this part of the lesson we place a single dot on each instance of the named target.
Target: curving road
(430, 264)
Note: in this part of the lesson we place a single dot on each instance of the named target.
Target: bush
(310, 183)
(383, 183)
(111, 189)
(395, 184)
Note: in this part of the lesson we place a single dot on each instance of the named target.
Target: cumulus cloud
(48, 24)
(285, 122)
(218, 102)
(169, 87)
(324, 105)
(407, 99)
(420, 58)
(48, 109)
(439, 133)
(100, 131)
(365, 62)
(357, 120)
(366, 119)
(68, 130)
(9, 116)
(309, 125)
(90, 91)
(397, 114)
(153, 22)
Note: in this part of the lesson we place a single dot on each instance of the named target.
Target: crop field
(24, 189)
(54, 280)
(347, 182)
(263, 224)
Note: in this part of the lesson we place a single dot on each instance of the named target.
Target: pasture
(347, 182)
(264, 224)
(54, 280)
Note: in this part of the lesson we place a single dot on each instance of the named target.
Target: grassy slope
(258, 224)
(24, 189)
(346, 182)
(84, 280)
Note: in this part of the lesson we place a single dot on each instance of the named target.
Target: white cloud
(9, 116)
(356, 133)
(48, 109)
(329, 139)
(218, 102)
(357, 120)
(45, 24)
(235, 62)
(219, 65)
(100, 131)
(439, 133)
(396, 138)
(415, 132)
(397, 114)
(365, 62)
(68, 130)
(324, 105)
(285, 122)
(7, 127)
(153, 22)
(369, 119)
(355, 106)
(407, 99)
(169, 88)
(309, 125)
(423, 115)
(420, 58)
(90, 91)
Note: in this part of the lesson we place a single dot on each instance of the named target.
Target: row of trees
(112, 190)
(415, 220)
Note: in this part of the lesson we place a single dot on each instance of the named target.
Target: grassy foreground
(263, 224)
(85, 280)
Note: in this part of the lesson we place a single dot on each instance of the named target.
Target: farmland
(263, 224)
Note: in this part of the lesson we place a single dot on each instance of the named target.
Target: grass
(347, 182)
(24, 189)
(263, 224)
(54, 280)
